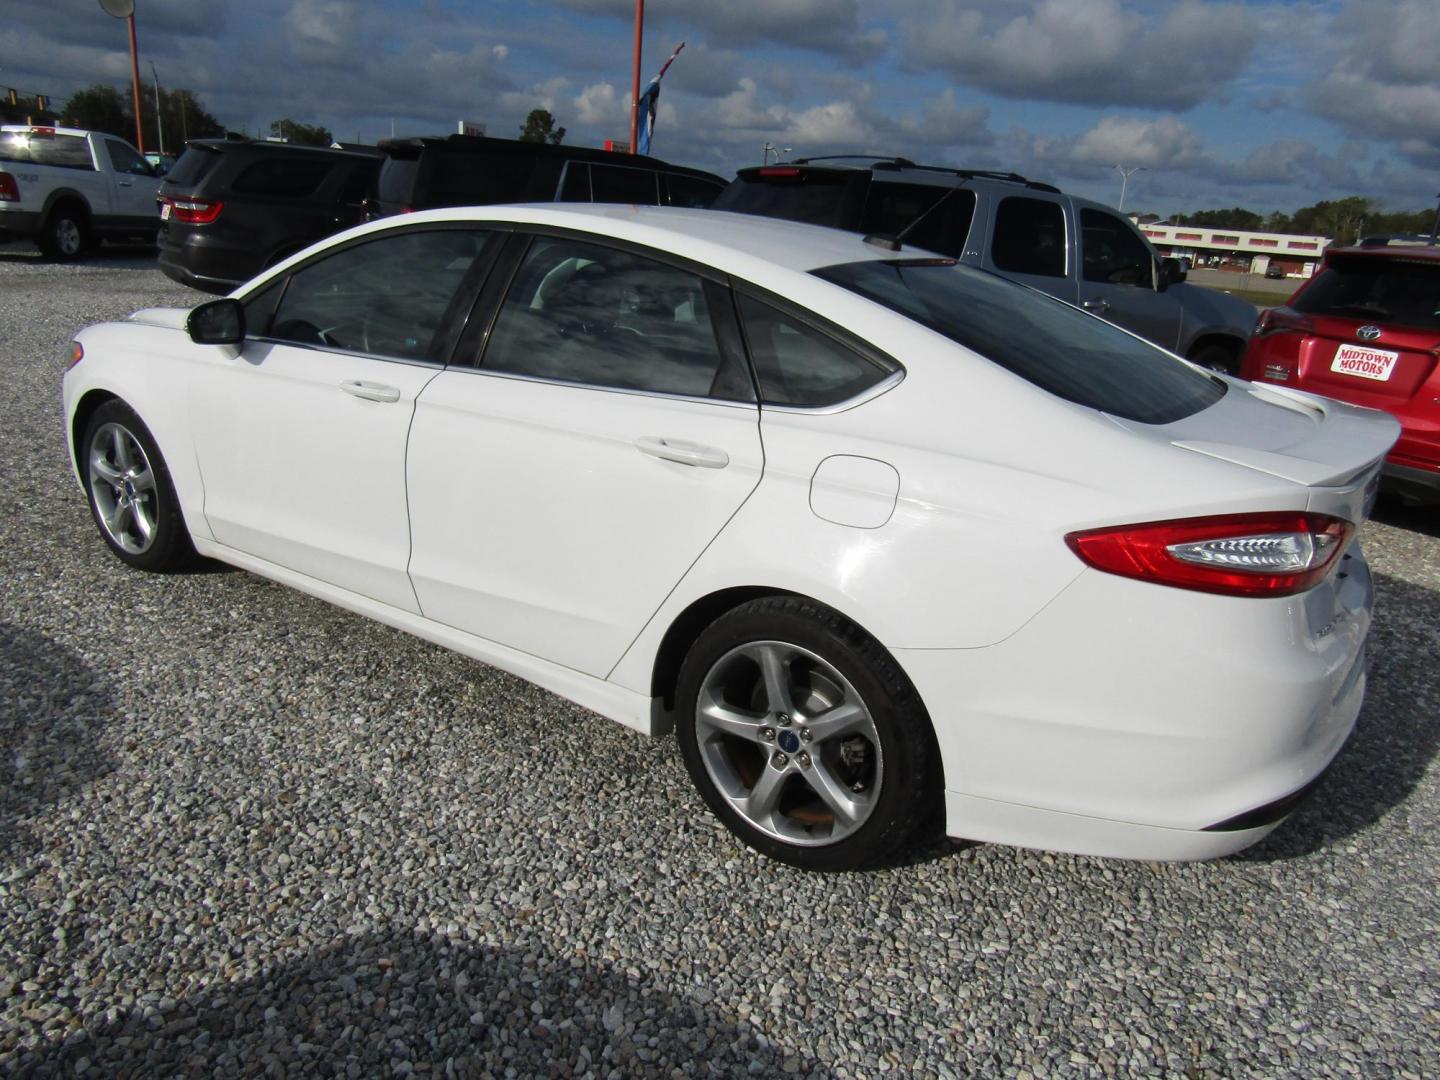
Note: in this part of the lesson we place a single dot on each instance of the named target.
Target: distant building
(1236, 249)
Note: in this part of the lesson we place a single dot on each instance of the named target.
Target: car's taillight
(773, 171)
(195, 211)
(1264, 554)
(1282, 320)
(9, 189)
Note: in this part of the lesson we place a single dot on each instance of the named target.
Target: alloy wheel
(122, 486)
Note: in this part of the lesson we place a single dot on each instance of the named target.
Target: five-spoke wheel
(804, 737)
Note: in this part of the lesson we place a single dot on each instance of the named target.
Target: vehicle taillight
(1282, 320)
(195, 211)
(1264, 554)
(779, 170)
(9, 189)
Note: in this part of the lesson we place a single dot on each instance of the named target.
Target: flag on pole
(648, 101)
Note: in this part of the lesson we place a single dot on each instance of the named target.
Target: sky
(1266, 104)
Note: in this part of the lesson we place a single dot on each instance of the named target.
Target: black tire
(888, 766)
(131, 495)
(1216, 357)
(65, 234)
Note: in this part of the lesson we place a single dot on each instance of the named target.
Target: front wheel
(805, 738)
(131, 496)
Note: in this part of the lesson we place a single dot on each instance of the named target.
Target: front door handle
(1096, 306)
(682, 452)
(370, 391)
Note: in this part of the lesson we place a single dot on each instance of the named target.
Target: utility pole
(635, 78)
(1125, 175)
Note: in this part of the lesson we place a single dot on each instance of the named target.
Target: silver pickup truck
(66, 189)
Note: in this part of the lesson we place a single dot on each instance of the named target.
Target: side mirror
(219, 322)
(1172, 272)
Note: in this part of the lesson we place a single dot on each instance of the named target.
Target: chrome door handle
(682, 452)
(1096, 306)
(125, 183)
(370, 391)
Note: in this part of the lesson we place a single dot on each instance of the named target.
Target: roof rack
(886, 162)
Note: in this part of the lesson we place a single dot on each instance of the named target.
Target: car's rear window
(814, 196)
(46, 148)
(1384, 289)
(193, 166)
(1043, 340)
(397, 180)
(288, 177)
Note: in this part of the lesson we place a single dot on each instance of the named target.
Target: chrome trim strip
(518, 377)
(334, 351)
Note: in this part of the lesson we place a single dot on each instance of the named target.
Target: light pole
(1125, 175)
(125, 9)
(771, 148)
(635, 78)
(159, 117)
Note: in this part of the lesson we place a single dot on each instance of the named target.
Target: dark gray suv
(1083, 252)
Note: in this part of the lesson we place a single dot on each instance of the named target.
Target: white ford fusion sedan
(887, 540)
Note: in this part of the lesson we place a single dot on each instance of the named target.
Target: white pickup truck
(65, 189)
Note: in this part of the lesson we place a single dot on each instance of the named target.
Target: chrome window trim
(630, 391)
(336, 351)
(885, 385)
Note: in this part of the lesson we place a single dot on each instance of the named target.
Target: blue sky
(1259, 103)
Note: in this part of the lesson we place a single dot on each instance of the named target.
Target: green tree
(100, 108)
(304, 134)
(185, 118)
(1235, 218)
(540, 127)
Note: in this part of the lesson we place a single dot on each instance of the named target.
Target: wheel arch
(1232, 345)
(64, 197)
(85, 408)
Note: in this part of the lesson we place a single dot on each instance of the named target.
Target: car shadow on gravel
(53, 708)
(1425, 520)
(1395, 739)
(402, 1004)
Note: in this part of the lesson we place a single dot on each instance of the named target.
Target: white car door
(301, 437)
(559, 491)
(133, 183)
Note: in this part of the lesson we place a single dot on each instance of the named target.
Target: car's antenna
(892, 243)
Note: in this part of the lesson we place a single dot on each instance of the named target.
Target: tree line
(182, 116)
(1346, 220)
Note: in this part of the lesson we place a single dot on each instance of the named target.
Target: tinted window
(583, 313)
(798, 364)
(288, 177)
(1029, 237)
(42, 148)
(397, 180)
(358, 182)
(192, 166)
(1112, 253)
(576, 185)
(939, 217)
(123, 159)
(462, 179)
(1386, 290)
(691, 190)
(1053, 345)
(620, 184)
(387, 297)
(818, 197)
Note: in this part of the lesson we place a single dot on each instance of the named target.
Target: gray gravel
(243, 833)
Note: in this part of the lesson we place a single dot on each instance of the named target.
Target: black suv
(467, 170)
(229, 208)
(1080, 251)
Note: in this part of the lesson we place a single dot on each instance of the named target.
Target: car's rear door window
(938, 218)
(585, 313)
(1029, 237)
(800, 364)
(1382, 289)
(389, 297)
(289, 177)
(621, 184)
(1043, 340)
(682, 190)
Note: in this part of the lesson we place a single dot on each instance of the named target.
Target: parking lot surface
(245, 833)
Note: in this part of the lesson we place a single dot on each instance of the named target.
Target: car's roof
(48, 129)
(713, 237)
(1405, 252)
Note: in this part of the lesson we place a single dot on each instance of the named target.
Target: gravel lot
(244, 833)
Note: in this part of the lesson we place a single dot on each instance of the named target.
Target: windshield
(1392, 290)
(1043, 340)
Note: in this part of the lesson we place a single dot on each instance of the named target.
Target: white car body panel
(1073, 709)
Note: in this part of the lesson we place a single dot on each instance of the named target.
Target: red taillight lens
(195, 211)
(9, 189)
(779, 170)
(1266, 554)
(1282, 320)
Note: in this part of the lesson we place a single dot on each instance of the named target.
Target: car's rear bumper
(1165, 724)
(16, 224)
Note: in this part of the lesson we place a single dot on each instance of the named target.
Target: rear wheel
(64, 235)
(131, 496)
(804, 737)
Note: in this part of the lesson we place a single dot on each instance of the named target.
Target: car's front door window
(1112, 253)
(388, 297)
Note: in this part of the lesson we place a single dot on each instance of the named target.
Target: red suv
(1366, 329)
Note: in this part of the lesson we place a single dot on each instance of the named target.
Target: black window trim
(452, 325)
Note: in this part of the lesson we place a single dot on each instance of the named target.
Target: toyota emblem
(1368, 333)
